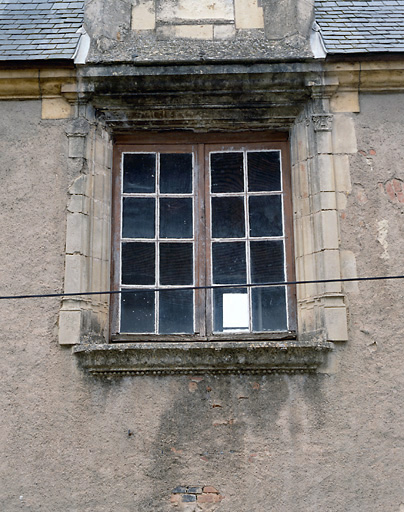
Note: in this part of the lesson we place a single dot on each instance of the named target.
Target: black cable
(216, 286)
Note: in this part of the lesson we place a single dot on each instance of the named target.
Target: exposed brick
(196, 378)
(395, 190)
(206, 498)
(210, 489)
(188, 498)
(175, 499)
(194, 490)
(179, 490)
(209, 498)
(192, 387)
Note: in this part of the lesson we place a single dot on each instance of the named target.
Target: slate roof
(45, 29)
(353, 26)
(39, 29)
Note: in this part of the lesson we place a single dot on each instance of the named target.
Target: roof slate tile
(39, 29)
(368, 26)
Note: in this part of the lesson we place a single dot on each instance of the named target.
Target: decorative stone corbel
(322, 122)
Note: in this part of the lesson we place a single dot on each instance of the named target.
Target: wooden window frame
(201, 142)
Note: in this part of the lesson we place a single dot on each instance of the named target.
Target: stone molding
(181, 358)
(35, 83)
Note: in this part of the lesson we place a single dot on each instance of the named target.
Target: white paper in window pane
(235, 311)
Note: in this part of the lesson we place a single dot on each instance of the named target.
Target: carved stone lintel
(322, 122)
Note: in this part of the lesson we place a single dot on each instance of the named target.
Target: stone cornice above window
(165, 358)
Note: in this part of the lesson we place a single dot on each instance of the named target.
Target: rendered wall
(281, 443)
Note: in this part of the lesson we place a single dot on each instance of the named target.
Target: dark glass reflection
(138, 263)
(176, 173)
(218, 308)
(267, 261)
(229, 263)
(137, 312)
(226, 172)
(175, 217)
(265, 215)
(176, 264)
(269, 309)
(264, 171)
(138, 217)
(139, 173)
(228, 217)
(176, 311)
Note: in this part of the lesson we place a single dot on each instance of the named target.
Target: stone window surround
(320, 144)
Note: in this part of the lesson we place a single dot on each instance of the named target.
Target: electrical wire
(210, 287)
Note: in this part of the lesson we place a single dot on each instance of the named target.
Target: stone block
(77, 146)
(69, 327)
(329, 267)
(348, 270)
(347, 101)
(326, 230)
(336, 324)
(343, 134)
(248, 14)
(224, 31)
(173, 10)
(342, 174)
(324, 201)
(144, 15)
(97, 238)
(307, 231)
(298, 231)
(326, 181)
(193, 31)
(78, 204)
(75, 273)
(324, 142)
(79, 185)
(96, 275)
(56, 108)
(76, 233)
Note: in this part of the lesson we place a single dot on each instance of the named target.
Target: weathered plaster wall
(72, 443)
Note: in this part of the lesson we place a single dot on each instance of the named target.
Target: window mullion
(157, 242)
(247, 228)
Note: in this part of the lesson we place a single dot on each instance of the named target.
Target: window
(196, 222)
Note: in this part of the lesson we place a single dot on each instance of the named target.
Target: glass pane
(265, 216)
(229, 263)
(230, 310)
(176, 264)
(264, 171)
(176, 173)
(269, 309)
(267, 261)
(226, 172)
(139, 173)
(228, 217)
(138, 263)
(137, 311)
(138, 217)
(175, 217)
(176, 311)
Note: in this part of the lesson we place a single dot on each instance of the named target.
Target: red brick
(206, 498)
(209, 488)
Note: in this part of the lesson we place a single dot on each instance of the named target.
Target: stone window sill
(218, 357)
